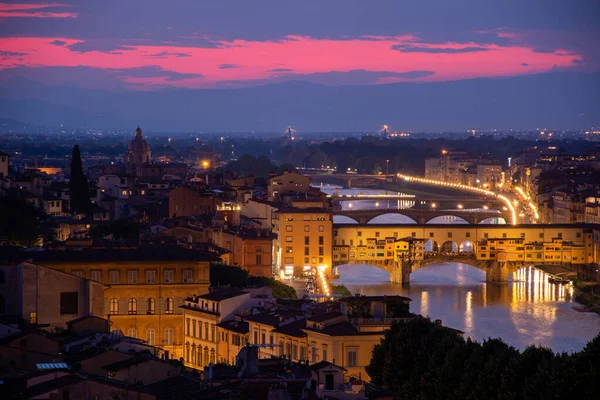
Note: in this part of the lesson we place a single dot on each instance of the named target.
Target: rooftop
(220, 295)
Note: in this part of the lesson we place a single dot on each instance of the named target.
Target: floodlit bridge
(498, 250)
(350, 180)
(422, 216)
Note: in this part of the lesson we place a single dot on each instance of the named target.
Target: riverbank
(588, 294)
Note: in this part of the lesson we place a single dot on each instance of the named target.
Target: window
(431, 234)
(306, 240)
(541, 235)
(194, 328)
(321, 240)
(281, 348)
(169, 305)
(288, 249)
(288, 239)
(522, 235)
(96, 275)
(259, 259)
(485, 235)
(188, 276)
(288, 228)
(150, 306)
(114, 277)
(449, 234)
(578, 235)
(376, 234)
(321, 228)
(169, 276)
(131, 332)
(263, 338)
(413, 234)
(206, 331)
(114, 307)
(468, 234)
(324, 352)
(306, 228)
(132, 307)
(150, 276)
(151, 336)
(306, 251)
(69, 303)
(504, 236)
(321, 251)
(271, 339)
(132, 277)
(359, 233)
(32, 315)
(560, 235)
(78, 273)
(187, 327)
(352, 358)
(255, 337)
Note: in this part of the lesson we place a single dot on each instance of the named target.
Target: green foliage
(224, 275)
(79, 189)
(257, 167)
(396, 309)
(419, 359)
(341, 289)
(21, 224)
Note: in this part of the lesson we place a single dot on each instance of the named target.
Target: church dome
(138, 151)
(138, 143)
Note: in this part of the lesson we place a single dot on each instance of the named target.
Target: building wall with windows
(304, 239)
(286, 183)
(143, 290)
(42, 295)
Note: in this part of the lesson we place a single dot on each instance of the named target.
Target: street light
(205, 164)
(460, 206)
(433, 205)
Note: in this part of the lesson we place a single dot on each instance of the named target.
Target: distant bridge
(422, 216)
(382, 197)
(347, 180)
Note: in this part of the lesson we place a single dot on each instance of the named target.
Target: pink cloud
(30, 10)
(303, 55)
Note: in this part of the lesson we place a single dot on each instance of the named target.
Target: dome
(138, 144)
(138, 151)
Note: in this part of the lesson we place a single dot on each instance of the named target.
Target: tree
(21, 224)
(79, 189)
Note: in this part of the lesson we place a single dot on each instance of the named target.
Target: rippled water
(528, 310)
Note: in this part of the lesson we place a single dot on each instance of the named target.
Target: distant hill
(553, 100)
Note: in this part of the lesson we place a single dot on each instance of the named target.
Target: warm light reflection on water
(528, 310)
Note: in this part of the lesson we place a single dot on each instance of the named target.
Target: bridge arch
(447, 219)
(467, 246)
(344, 219)
(493, 220)
(431, 246)
(449, 246)
(391, 218)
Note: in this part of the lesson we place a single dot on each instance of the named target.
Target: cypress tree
(79, 190)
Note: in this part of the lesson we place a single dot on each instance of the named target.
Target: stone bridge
(421, 216)
(348, 180)
(495, 271)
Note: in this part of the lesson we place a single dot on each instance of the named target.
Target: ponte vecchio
(499, 250)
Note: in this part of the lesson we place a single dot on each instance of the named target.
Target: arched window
(150, 336)
(169, 336)
(114, 306)
(169, 306)
(150, 306)
(132, 332)
(213, 356)
(193, 361)
(199, 357)
(206, 353)
(187, 352)
(132, 306)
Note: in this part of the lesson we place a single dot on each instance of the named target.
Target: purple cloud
(445, 50)
(58, 43)
(166, 54)
(228, 66)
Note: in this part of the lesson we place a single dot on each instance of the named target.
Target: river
(527, 310)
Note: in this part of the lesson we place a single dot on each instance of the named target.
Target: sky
(150, 45)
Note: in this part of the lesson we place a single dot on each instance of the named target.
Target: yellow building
(145, 287)
(207, 337)
(304, 239)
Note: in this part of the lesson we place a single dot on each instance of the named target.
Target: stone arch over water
(447, 219)
(449, 246)
(392, 218)
(343, 219)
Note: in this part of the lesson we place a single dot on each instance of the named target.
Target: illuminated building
(187, 202)
(304, 238)
(288, 183)
(3, 165)
(145, 286)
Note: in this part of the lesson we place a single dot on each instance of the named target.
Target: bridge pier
(400, 272)
(497, 272)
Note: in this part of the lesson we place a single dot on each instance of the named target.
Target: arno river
(527, 310)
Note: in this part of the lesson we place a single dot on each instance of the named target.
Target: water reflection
(528, 310)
